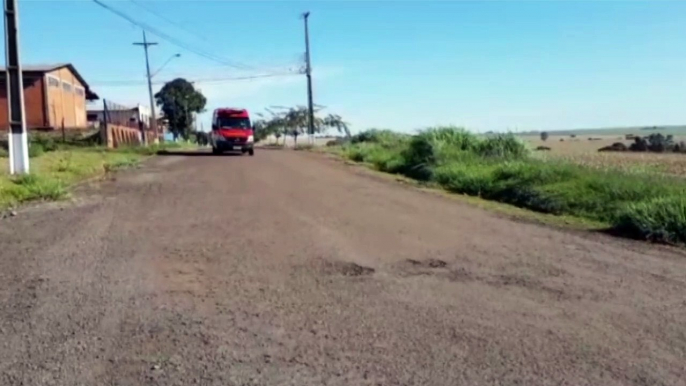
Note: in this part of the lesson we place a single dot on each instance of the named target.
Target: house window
(66, 86)
(79, 91)
(53, 82)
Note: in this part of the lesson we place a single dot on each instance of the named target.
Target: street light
(165, 63)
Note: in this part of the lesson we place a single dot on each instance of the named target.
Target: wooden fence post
(103, 126)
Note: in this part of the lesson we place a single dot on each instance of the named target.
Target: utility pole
(153, 123)
(18, 139)
(308, 73)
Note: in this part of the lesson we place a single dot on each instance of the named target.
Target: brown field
(583, 151)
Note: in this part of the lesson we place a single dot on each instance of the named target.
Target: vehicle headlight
(250, 138)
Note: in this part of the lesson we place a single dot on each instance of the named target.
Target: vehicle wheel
(216, 151)
(251, 152)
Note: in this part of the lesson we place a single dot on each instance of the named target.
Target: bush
(336, 142)
(659, 219)
(503, 146)
(378, 136)
(466, 179)
(544, 136)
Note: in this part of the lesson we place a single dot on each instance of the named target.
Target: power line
(168, 20)
(171, 39)
(128, 83)
(181, 26)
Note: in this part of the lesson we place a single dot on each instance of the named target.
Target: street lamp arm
(164, 65)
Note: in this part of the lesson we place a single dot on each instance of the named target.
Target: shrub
(466, 179)
(544, 136)
(378, 136)
(658, 219)
(617, 146)
(336, 142)
(437, 145)
(503, 146)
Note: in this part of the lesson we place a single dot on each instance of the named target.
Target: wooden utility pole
(308, 73)
(153, 123)
(18, 138)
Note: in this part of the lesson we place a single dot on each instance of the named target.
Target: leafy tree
(544, 136)
(335, 121)
(294, 121)
(267, 126)
(178, 100)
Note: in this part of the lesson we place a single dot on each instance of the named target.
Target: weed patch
(32, 187)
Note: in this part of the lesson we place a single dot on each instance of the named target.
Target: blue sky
(405, 65)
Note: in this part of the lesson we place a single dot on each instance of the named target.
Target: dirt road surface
(291, 269)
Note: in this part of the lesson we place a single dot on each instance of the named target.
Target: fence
(124, 126)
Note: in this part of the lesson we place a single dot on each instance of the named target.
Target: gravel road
(289, 268)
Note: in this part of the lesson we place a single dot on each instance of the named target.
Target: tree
(294, 121)
(544, 136)
(335, 121)
(268, 126)
(178, 100)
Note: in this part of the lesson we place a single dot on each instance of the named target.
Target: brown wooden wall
(34, 97)
(66, 100)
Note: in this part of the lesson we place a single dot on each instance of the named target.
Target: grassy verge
(640, 205)
(54, 171)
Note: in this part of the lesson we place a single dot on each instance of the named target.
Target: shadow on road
(195, 153)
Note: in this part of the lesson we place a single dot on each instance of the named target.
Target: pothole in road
(424, 267)
(428, 263)
(346, 268)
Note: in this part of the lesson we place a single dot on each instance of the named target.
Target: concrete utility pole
(308, 73)
(153, 123)
(18, 138)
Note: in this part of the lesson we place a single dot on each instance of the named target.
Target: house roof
(42, 68)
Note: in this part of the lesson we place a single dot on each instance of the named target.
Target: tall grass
(500, 168)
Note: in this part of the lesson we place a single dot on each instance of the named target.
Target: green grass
(640, 205)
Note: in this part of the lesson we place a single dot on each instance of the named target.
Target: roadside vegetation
(56, 165)
(642, 205)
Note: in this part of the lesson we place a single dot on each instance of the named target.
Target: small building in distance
(135, 117)
(55, 96)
